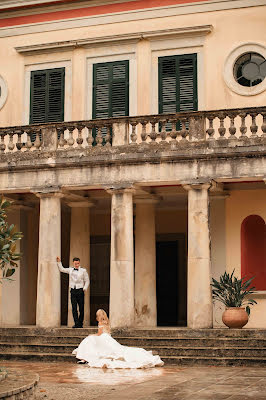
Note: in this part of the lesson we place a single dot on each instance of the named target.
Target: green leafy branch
(8, 238)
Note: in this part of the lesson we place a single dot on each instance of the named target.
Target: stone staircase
(175, 345)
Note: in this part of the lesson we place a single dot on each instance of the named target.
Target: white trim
(228, 71)
(132, 15)
(4, 92)
(68, 86)
(172, 48)
(109, 55)
(133, 37)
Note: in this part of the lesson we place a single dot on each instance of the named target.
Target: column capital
(117, 189)
(196, 185)
(49, 192)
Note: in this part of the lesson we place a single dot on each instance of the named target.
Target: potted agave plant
(235, 294)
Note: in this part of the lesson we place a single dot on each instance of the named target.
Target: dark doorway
(171, 281)
(99, 275)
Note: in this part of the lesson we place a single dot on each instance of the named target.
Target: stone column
(199, 265)
(80, 247)
(122, 259)
(145, 263)
(48, 286)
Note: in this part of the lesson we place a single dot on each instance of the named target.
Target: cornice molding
(131, 15)
(7, 4)
(133, 37)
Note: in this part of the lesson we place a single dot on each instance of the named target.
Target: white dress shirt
(77, 279)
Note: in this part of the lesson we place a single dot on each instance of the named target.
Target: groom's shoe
(75, 326)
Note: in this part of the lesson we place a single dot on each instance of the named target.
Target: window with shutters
(47, 95)
(110, 90)
(178, 83)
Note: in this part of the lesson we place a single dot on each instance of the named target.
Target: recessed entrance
(99, 275)
(171, 280)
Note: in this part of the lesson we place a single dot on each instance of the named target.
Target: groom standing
(78, 282)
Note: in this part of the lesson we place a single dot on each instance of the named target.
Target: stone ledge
(18, 384)
(130, 154)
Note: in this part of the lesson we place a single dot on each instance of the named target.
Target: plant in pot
(235, 294)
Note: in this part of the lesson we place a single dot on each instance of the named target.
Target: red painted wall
(88, 11)
(253, 250)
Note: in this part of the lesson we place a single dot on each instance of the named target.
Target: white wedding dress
(104, 351)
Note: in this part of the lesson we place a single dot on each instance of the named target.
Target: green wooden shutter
(47, 96)
(110, 89)
(178, 83)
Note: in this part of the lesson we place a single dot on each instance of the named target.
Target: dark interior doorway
(99, 275)
(171, 280)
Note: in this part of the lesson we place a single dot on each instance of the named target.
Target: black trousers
(77, 299)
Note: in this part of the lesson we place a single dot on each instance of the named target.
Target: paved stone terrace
(59, 381)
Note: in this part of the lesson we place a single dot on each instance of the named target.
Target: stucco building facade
(133, 135)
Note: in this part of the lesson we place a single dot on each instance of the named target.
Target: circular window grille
(250, 69)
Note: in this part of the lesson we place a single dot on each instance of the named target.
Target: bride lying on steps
(102, 351)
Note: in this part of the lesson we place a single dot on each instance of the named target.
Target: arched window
(253, 250)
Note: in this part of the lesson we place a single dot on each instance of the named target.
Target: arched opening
(253, 250)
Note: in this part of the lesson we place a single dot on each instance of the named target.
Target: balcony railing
(231, 127)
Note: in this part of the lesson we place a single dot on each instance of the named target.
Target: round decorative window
(3, 92)
(250, 69)
(245, 69)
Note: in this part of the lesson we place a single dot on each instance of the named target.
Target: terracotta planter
(235, 317)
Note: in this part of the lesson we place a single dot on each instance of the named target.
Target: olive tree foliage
(8, 239)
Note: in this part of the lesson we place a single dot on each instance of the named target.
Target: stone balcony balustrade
(205, 129)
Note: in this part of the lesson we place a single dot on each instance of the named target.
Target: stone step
(176, 360)
(161, 350)
(140, 341)
(134, 332)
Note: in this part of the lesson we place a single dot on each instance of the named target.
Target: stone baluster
(19, 144)
(80, 138)
(243, 127)
(253, 126)
(232, 128)
(62, 141)
(90, 137)
(133, 135)
(70, 140)
(2, 145)
(184, 132)
(144, 131)
(28, 144)
(11, 144)
(221, 129)
(163, 133)
(99, 136)
(173, 133)
(153, 134)
(210, 131)
(108, 136)
(263, 126)
(37, 143)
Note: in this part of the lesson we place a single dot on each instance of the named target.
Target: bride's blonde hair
(101, 314)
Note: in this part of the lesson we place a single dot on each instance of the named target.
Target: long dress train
(104, 351)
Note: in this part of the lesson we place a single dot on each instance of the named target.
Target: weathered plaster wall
(239, 205)
(230, 29)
